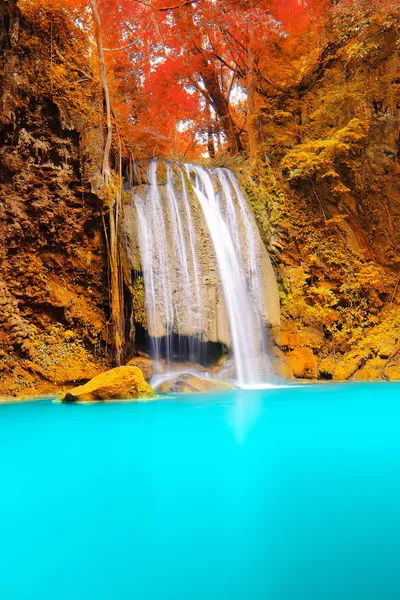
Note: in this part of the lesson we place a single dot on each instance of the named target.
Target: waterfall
(207, 275)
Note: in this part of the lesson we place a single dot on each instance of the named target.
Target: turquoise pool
(281, 494)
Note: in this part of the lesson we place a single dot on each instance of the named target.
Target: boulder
(349, 365)
(392, 372)
(303, 363)
(122, 383)
(372, 370)
(387, 347)
(187, 383)
(144, 364)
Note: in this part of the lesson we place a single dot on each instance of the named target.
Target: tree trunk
(117, 318)
(210, 133)
(221, 106)
(103, 76)
(116, 291)
(252, 108)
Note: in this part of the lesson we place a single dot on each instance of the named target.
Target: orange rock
(387, 347)
(287, 339)
(348, 366)
(303, 363)
(65, 363)
(122, 383)
(372, 370)
(293, 338)
(143, 363)
(392, 373)
(280, 364)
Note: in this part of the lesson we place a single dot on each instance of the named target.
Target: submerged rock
(188, 383)
(122, 383)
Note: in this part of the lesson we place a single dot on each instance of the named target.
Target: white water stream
(206, 272)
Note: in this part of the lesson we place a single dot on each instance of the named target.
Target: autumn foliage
(190, 77)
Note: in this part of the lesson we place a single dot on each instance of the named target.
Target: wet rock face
(336, 248)
(122, 383)
(187, 286)
(52, 255)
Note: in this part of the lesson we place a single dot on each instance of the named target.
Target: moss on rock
(303, 363)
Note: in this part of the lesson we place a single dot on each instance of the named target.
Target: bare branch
(166, 8)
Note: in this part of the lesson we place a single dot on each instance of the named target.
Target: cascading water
(206, 272)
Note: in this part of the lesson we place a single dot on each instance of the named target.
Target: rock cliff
(53, 273)
(325, 192)
(327, 198)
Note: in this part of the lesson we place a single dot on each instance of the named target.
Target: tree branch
(103, 75)
(166, 8)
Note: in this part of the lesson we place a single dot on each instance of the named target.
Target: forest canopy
(187, 78)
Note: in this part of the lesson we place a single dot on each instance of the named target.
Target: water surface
(188, 499)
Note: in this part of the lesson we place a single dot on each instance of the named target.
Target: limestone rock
(372, 370)
(121, 383)
(292, 337)
(219, 365)
(303, 363)
(287, 339)
(348, 366)
(197, 303)
(224, 368)
(144, 364)
(188, 383)
(280, 364)
(392, 372)
(64, 363)
(387, 347)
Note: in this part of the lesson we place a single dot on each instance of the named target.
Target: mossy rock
(392, 372)
(387, 347)
(371, 371)
(348, 366)
(121, 383)
(287, 339)
(303, 363)
(327, 367)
